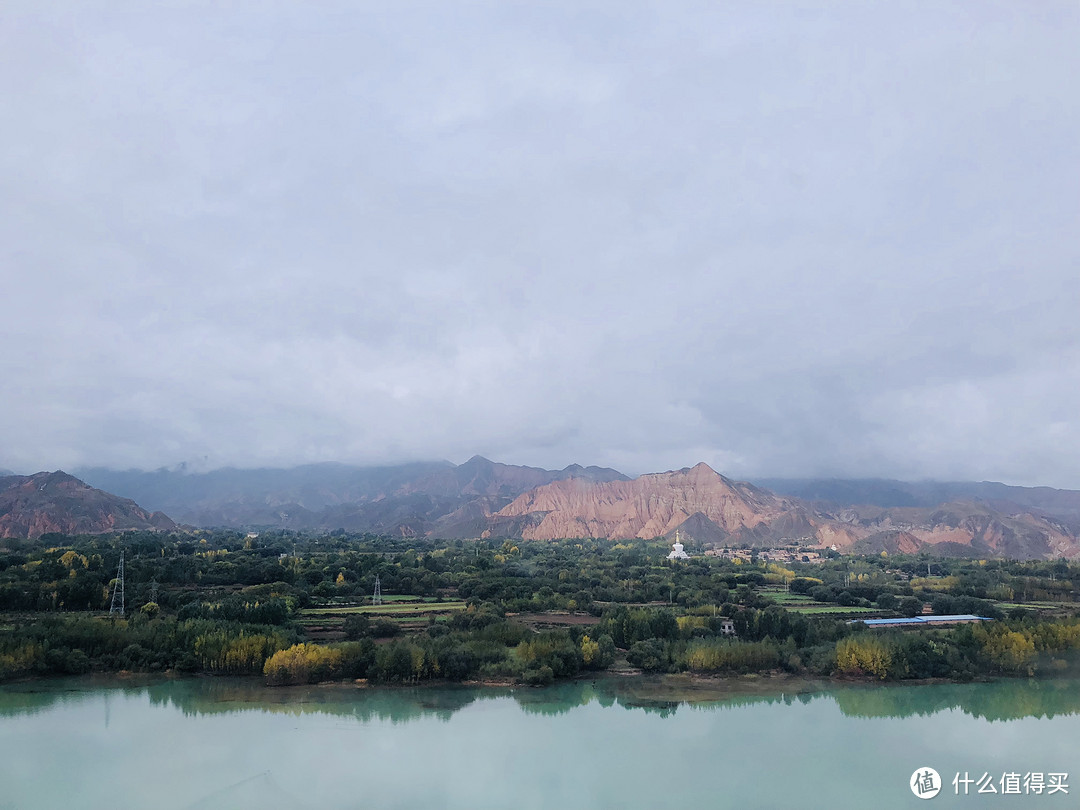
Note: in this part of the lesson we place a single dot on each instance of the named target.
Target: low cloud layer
(778, 239)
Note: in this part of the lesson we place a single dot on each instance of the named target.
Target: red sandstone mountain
(32, 505)
(966, 528)
(714, 510)
(650, 506)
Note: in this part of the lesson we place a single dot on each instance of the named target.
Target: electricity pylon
(117, 607)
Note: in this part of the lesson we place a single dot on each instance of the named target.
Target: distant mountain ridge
(482, 498)
(407, 499)
(32, 505)
(889, 493)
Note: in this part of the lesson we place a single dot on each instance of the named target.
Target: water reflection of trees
(34, 697)
(396, 705)
(999, 700)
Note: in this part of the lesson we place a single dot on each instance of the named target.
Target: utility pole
(117, 607)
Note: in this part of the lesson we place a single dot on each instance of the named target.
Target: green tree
(910, 606)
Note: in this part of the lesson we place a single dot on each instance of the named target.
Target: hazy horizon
(187, 469)
(784, 240)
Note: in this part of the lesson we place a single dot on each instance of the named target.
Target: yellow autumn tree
(863, 656)
(1008, 650)
(589, 650)
(69, 558)
(303, 663)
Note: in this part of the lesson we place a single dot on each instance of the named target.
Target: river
(614, 743)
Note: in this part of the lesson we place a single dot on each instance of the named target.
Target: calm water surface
(620, 744)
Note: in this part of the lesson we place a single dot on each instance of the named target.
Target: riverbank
(630, 688)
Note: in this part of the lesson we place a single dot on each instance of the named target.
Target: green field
(323, 622)
(817, 608)
(801, 603)
(399, 597)
(393, 598)
(332, 620)
(788, 599)
(393, 609)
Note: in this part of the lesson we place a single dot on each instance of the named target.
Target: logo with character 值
(925, 783)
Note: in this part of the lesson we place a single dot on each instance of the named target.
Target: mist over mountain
(1060, 503)
(194, 496)
(405, 499)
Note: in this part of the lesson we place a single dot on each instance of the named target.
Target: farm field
(819, 609)
(392, 609)
(787, 599)
(387, 598)
(554, 620)
(327, 623)
(801, 603)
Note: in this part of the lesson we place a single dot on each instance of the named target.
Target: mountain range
(1061, 503)
(482, 498)
(32, 505)
(425, 498)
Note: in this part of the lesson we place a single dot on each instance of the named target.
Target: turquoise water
(618, 743)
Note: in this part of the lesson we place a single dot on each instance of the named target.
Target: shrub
(357, 625)
(540, 676)
(650, 655)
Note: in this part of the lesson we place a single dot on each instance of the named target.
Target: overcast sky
(781, 238)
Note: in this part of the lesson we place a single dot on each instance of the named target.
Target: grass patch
(786, 598)
(341, 602)
(819, 609)
(331, 622)
(398, 597)
(392, 609)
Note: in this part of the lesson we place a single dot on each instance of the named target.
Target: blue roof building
(924, 621)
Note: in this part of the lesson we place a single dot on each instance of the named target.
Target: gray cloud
(781, 239)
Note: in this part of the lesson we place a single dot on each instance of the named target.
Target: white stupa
(677, 552)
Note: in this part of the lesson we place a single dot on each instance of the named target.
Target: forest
(300, 608)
